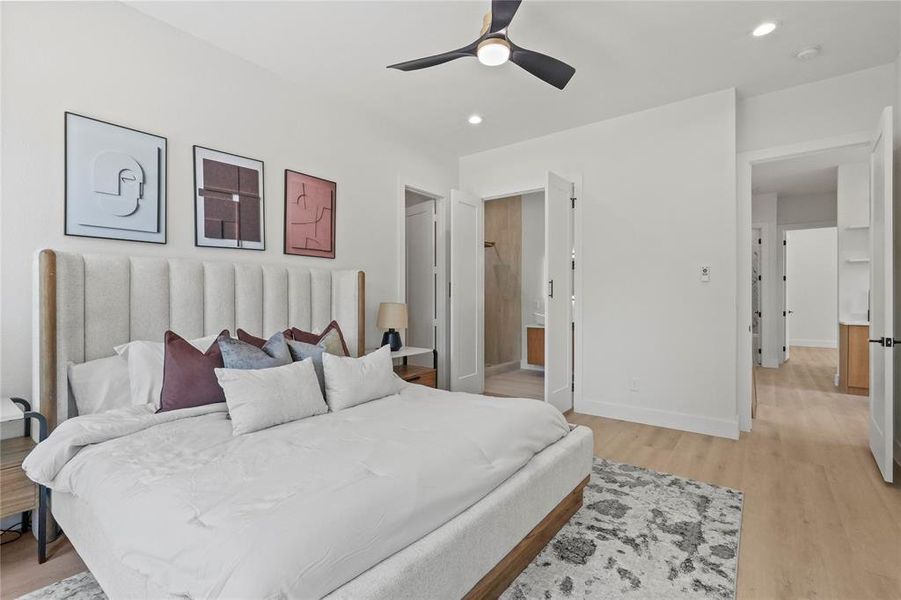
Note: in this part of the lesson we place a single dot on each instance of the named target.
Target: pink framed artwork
(309, 215)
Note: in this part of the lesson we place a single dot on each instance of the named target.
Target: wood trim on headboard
(47, 341)
(361, 313)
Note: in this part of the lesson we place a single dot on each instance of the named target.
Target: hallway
(818, 519)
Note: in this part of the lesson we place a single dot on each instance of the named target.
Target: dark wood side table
(18, 491)
(416, 374)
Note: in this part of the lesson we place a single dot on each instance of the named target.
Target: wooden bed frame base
(498, 579)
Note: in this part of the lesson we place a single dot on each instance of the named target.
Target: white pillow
(145, 366)
(350, 381)
(100, 385)
(262, 398)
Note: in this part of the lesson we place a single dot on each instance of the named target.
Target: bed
(453, 494)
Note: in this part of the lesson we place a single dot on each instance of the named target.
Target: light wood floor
(818, 520)
(521, 383)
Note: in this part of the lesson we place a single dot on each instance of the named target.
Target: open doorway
(816, 283)
(514, 295)
(423, 274)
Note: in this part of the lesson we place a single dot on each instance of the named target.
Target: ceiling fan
(493, 47)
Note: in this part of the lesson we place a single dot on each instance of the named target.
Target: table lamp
(392, 316)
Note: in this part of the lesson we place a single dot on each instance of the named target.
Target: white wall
(818, 209)
(533, 269)
(108, 61)
(657, 201)
(831, 107)
(812, 287)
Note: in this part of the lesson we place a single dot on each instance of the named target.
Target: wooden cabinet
(416, 374)
(535, 345)
(854, 359)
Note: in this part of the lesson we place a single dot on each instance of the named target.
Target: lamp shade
(392, 315)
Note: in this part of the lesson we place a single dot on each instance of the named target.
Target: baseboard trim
(501, 368)
(725, 428)
(527, 367)
(815, 343)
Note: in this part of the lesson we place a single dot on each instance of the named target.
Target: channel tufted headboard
(85, 304)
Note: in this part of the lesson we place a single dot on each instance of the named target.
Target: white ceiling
(628, 55)
(805, 175)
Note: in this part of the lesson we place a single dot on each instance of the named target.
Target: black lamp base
(392, 338)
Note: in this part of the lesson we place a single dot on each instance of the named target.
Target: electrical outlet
(634, 384)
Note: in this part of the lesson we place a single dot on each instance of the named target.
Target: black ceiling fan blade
(544, 67)
(437, 59)
(502, 12)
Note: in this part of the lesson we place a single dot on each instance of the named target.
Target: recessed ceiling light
(474, 119)
(764, 28)
(808, 53)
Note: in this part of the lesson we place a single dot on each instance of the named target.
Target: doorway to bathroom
(515, 292)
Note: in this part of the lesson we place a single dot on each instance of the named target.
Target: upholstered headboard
(86, 304)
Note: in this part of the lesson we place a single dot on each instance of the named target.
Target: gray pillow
(241, 355)
(302, 350)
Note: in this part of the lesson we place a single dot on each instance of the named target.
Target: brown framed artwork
(228, 200)
(309, 215)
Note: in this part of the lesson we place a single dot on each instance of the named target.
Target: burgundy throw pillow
(188, 376)
(331, 339)
(260, 342)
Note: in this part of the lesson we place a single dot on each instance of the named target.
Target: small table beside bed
(422, 493)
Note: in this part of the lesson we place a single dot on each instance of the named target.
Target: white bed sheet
(292, 511)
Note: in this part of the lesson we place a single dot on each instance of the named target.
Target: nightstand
(18, 492)
(416, 374)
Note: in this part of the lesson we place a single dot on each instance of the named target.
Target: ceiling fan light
(493, 52)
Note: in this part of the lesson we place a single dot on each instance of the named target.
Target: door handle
(880, 341)
(885, 342)
(550, 288)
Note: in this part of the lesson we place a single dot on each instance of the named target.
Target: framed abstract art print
(115, 181)
(309, 215)
(228, 200)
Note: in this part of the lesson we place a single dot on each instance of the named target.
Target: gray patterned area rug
(639, 534)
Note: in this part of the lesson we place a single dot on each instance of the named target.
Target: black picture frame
(197, 243)
(165, 182)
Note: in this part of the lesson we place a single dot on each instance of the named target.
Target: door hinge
(759, 240)
(783, 278)
(783, 243)
(572, 202)
(783, 348)
(784, 314)
(573, 265)
(760, 278)
(759, 351)
(448, 289)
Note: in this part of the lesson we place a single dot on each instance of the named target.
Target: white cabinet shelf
(857, 260)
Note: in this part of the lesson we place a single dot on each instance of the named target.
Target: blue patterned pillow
(241, 355)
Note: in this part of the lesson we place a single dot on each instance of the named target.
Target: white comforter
(292, 511)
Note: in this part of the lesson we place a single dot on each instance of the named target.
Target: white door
(421, 277)
(558, 311)
(786, 310)
(466, 296)
(881, 318)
